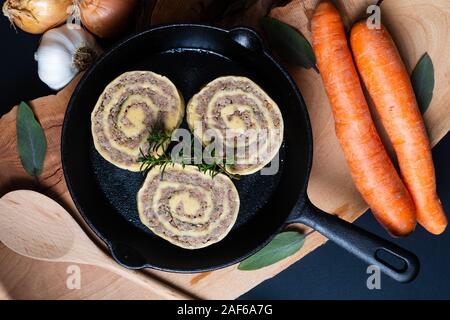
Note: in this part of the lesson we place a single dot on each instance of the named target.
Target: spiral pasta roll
(187, 207)
(242, 117)
(128, 108)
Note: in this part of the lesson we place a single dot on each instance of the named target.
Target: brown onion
(36, 16)
(106, 18)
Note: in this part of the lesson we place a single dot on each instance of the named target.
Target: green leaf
(290, 44)
(282, 246)
(422, 79)
(31, 142)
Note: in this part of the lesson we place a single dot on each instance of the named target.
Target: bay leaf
(282, 246)
(422, 79)
(289, 43)
(31, 141)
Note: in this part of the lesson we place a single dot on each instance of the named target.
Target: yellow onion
(106, 18)
(36, 16)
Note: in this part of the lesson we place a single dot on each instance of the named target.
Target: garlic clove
(63, 53)
(55, 66)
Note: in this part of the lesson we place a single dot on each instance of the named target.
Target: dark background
(328, 272)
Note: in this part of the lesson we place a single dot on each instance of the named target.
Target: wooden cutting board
(416, 25)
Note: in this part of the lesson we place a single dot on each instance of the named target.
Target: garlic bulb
(63, 53)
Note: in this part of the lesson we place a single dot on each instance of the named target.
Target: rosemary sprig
(158, 138)
(214, 169)
(149, 161)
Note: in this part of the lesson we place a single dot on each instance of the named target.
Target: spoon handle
(153, 284)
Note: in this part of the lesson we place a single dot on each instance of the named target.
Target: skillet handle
(247, 38)
(363, 244)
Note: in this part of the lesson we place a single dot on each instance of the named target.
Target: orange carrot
(388, 83)
(371, 168)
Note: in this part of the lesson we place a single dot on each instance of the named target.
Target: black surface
(328, 272)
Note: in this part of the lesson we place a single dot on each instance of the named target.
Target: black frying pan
(192, 55)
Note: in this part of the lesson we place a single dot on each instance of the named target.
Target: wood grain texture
(330, 187)
(25, 278)
(417, 27)
(48, 232)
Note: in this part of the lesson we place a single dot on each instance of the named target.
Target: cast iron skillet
(192, 55)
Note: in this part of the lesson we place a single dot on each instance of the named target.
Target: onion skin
(107, 18)
(36, 16)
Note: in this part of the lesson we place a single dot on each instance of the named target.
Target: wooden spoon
(3, 293)
(35, 226)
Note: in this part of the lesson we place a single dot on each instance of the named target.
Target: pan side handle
(247, 38)
(369, 247)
